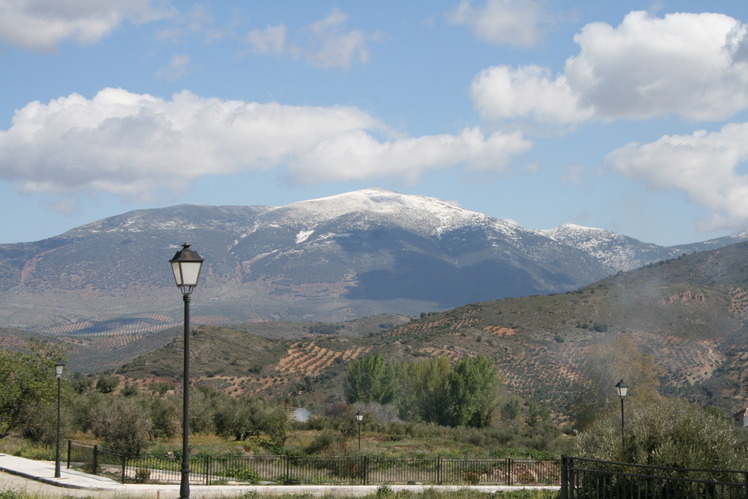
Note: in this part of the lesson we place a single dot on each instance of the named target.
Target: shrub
(142, 475)
(242, 473)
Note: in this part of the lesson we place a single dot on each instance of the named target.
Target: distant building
(741, 418)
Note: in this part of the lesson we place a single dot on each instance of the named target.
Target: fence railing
(583, 478)
(212, 470)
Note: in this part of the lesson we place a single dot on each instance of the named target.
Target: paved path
(37, 477)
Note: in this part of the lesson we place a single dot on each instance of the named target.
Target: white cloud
(271, 40)
(682, 64)
(357, 155)
(176, 69)
(42, 24)
(704, 165)
(691, 65)
(325, 43)
(502, 92)
(135, 144)
(502, 22)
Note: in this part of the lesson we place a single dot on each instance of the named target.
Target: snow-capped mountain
(615, 251)
(356, 254)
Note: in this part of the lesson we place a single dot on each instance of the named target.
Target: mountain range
(333, 259)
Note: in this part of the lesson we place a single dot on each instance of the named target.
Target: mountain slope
(688, 313)
(352, 255)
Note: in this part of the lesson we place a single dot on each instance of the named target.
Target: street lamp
(59, 367)
(623, 389)
(360, 418)
(186, 266)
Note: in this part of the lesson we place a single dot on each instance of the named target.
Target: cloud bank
(135, 144)
(704, 165)
(690, 65)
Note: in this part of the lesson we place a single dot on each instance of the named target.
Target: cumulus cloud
(133, 145)
(357, 155)
(691, 65)
(501, 22)
(503, 92)
(706, 165)
(326, 43)
(42, 24)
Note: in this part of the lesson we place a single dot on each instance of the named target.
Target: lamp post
(186, 266)
(59, 367)
(623, 389)
(360, 418)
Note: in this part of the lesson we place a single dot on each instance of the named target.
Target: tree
(605, 364)
(371, 379)
(422, 388)
(27, 382)
(123, 424)
(470, 393)
(665, 432)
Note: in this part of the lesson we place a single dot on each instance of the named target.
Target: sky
(628, 116)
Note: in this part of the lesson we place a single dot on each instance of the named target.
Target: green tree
(665, 432)
(471, 393)
(27, 382)
(422, 389)
(371, 379)
(123, 423)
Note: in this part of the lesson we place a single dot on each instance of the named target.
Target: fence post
(509, 467)
(124, 467)
(438, 470)
(565, 477)
(70, 443)
(95, 460)
(206, 466)
(745, 483)
(364, 470)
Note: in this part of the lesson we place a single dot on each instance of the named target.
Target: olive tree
(665, 432)
(27, 384)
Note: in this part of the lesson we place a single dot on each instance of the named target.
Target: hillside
(333, 259)
(687, 313)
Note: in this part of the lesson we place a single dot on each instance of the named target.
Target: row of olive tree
(463, 393)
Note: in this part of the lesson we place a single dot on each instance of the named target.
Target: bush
(142, 475)
(242, 473)
(665, 432)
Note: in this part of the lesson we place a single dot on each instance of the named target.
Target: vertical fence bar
(69, 451)
(564, 477)
(95, 463)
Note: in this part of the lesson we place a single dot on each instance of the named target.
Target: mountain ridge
(351, 255)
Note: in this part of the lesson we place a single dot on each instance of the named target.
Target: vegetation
(666, 432)
(27, 394)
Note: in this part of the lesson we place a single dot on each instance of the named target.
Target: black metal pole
(359, 436)
(57, 447)
(184, 489)
(623, 441)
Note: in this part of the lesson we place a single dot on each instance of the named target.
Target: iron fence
(364, 470)
(583, 478)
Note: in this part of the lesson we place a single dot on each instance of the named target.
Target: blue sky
(630, 116)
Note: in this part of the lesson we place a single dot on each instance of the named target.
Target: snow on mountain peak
(419, 213)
